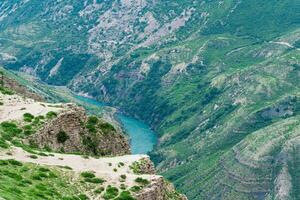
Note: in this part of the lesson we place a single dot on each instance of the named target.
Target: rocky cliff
(72, 131)
(160, 189)
(19, 88)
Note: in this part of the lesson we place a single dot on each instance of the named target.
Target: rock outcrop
(160, 189)
(69, 132)
(20, 89)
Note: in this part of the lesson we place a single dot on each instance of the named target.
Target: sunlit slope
(218, 80)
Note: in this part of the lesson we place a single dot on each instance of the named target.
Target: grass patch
(27, 117)
(110, 193)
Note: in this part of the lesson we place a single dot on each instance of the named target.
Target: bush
(3, 144)
(123, 176)
(135, 188)
(99, 190)
(83, 197)
(51, 115)
(62, 137)
(123, 186)
(87, 174)
(94, 180)
(14, 162)
(93, 120)
(33, 157)
(106, 127)
(10, 130)
(28, 117)
(111, 193)
(142, 181)
(121, 164)
(125, 195)
(6, 91)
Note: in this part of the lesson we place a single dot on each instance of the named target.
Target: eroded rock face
(20, 89)
(68, 133)
(160, 189)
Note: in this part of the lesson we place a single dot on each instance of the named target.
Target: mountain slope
(56, 151)
(212, 77)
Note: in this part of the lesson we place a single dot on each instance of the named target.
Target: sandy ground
(103, 167)
(15, 106)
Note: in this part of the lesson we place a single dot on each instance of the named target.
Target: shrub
(93, 120)
(3, 144)
(91, 128)
(94, 180)
(83, 197)
(111, 193)
(123, 176)
(99, 190)
(42, 169)
(125, 195)
(14, 162)
(66, 167)
(51, 115)
(121, 164)
(10, 130)
(27, 127)
(3, 162)
(123, 186)
(106, 127)
(6, 91)
(87, 174)
(41, 117)
(135, 188)
(62, 137)
(33, 156)
(142, 181)
(28, 117)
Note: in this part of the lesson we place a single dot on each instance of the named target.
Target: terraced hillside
(218, 80)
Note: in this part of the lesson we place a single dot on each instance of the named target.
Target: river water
(142, 138)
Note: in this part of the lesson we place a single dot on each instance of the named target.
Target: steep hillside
(218, 80)
(56, 151)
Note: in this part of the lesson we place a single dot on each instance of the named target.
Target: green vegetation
(121, 164)
(28, 117)
(125, 195)
(87, 174)
(28, 181)
(51, 115)
(123, 176)
(99, 190)
(209, 88)
(6, 91)
(142, 181)
(13, 132)
(135, 188)
(62, 137)
(136, 166)
(110, 192)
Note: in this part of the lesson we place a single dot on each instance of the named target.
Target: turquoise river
(142, 138)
